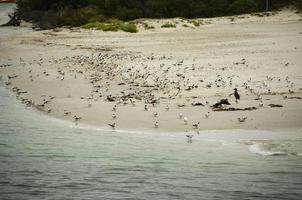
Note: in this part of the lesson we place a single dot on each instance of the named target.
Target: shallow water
(5, 9)
(44, 158)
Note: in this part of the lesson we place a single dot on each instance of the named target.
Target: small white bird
(186, 120)
(132, 102)
(146, 107)
(114, 108)
(167, 108)
(156, 124)
(113, 116)
(241, 119)
(207, 115)
(261, 104)
(180, 115)
(155, 114)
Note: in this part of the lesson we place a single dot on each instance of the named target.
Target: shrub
(147, 27)
(195, 23)
(111, 25)
(243, 6)
(168, 25)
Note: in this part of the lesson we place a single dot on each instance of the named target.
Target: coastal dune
(169, 77)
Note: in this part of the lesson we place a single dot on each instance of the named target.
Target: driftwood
(111, 98)
(235, 109)
(220, 103)
(294, 98)
(14, 20)
(275, 105)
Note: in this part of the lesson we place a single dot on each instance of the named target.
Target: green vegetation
(241, 6)
(53, 13)
(147, 26)
(111, 25)
(195, 23)
(168, 25)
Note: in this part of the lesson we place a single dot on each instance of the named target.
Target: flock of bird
(115, 77)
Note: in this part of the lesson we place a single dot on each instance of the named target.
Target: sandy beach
(171, 76)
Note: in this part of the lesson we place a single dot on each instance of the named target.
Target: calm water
(45, 158)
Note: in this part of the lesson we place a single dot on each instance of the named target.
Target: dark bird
(196, 125)
(189, 137)
(236, 95)
(76, 118)
(112, 125)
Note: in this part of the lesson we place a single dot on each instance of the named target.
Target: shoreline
(151, 131)
(87, 73)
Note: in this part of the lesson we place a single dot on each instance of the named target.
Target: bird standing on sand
(146, 107)
(189, 138)
(207, 115)
(156, 124)
(241, 119)
(186, 120)
(196, 125)
(180, 115)
(261, 104)
(76, 118)
(112, 125)
(236, 95)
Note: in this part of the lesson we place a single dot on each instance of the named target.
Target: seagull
(113, 116)
(207, 115)
(76, 118)
(196, 125)
(167, 108)
(146, 107)
(112, 125)
(155, 114)
(180, 115)
(241, 119)
(261, 104)
(132, 102)
(114, 108)
(236, 94)
(156, 124)
(67, 113)
(189, 138)
(186, 120)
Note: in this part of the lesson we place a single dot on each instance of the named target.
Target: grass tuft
(112, 25)
(168, 25)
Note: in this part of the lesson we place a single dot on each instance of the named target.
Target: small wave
(259, 150)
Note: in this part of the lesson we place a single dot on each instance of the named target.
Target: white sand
(152, 61)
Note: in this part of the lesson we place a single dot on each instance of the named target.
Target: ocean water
(46, 158)
(5, 9)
